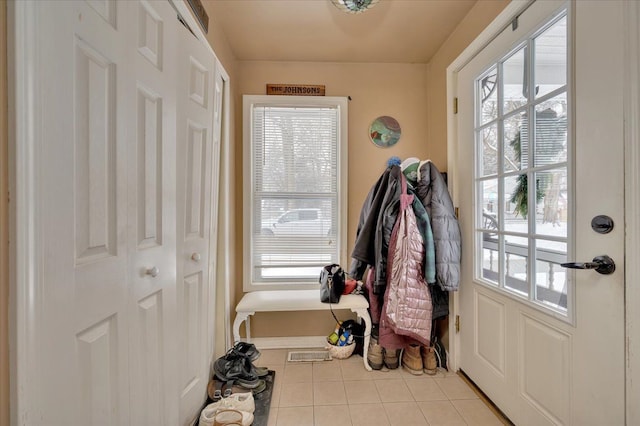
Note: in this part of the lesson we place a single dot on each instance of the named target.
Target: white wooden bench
(298, 300)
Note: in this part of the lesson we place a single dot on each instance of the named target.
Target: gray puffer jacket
(432, 191)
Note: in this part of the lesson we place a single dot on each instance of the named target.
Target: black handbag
(332, 282)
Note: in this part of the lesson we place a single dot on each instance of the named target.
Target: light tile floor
(342, 392)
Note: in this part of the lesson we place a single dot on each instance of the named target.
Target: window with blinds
(295, 180)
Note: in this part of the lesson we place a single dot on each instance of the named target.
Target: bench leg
(247, 327)
(240, 318)
(364, 314)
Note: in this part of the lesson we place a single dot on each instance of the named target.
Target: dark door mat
(263, 401)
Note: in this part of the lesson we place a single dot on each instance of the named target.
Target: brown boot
(429, 360)
(392, 358)
(411, 360)
(375, 354)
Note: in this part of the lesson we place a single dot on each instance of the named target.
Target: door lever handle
(602, 264)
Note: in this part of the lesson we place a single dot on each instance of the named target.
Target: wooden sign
(295, 89)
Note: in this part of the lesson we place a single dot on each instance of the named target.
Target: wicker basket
(341, 352)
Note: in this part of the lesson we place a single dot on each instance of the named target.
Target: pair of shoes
(379, 357)
(222, 418)
(236, 401)
(236, 409)
(236, 367)
(225, 417)
(418, 359)
(429, 361)
(249, 350)
(412, 360)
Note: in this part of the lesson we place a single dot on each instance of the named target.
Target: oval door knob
(602, 264)
(153, 271)
(196, 257)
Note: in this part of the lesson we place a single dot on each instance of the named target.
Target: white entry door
(539, 155)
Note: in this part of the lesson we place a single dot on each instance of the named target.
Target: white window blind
(294, 218)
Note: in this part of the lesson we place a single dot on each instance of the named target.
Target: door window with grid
(295, 188)
(522, 176)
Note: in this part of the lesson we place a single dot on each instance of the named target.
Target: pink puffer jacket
(408, 307)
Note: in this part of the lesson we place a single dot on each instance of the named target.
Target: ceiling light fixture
(354, 6)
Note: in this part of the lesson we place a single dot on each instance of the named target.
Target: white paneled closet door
(80, 309)
(152, 214)
(195, 155)
(115, 117)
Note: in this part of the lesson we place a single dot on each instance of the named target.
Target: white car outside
(305, 222)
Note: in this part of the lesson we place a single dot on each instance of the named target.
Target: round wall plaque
(385, 131)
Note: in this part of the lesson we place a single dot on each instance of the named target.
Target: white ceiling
(404, 31)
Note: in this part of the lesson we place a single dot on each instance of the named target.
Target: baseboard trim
(294, 342)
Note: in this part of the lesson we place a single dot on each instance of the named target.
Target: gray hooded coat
(377, 218)
(432, 191)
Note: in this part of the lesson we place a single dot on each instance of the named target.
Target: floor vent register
(307, 356)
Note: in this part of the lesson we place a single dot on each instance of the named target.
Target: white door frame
(632, 207)
(25, 255)
(632, 183)
(226, 209)
(23, 185)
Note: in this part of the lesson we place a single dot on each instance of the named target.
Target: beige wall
(481, 15)
(220, 45)
(4, 226)
(398, 90)
(414, 94)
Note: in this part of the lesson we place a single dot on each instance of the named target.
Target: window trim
(251, 101)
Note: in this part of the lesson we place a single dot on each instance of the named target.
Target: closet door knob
(153, 271)
(196, 257)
